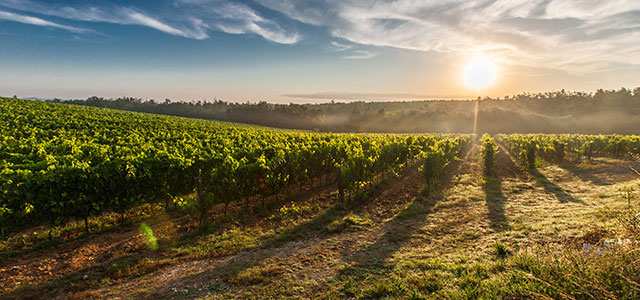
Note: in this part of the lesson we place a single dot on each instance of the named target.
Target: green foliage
(612, 273)
(553, 111)
(530, 155)
(500, 250)
(489, 150)
(186, 205)
(555, 147)
(291, 211)
(350, 222)
(525, 146)
(60, 162)
(558, 148)
(439, 155)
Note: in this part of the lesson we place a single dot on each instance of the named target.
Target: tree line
(603, 111)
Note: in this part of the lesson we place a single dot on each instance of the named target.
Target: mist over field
(606, 112)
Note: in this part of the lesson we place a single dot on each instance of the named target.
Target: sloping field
(561, 230)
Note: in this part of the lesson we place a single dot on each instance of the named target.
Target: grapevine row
(60, 162)
(554, 147)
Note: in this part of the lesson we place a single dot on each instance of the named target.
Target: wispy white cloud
(144, 20)
(185, 18)
(236, 18)
(360, 54)
(105, 14)
(562, 34)
(338, 47)
(577, 36)
(4, 15)
(350, 51)
(233, 18)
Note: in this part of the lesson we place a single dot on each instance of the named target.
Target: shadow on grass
(552, 188)
(397, 232)
(72, 232)
(541, 179)
(78, 284)
(583, 174)
(607, 173)
(283, 244)
(75, 283)
(495, 203)
(314, 231)
(372, 260)
(248, 215)
(506, 167)
(354, 204)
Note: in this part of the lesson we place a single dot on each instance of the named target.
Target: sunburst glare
(479, 73)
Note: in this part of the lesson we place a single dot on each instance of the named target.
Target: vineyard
(222, 210)
(60, 162)
(555, 147)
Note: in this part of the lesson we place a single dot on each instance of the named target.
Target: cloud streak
(144, 20)
(4, 15)
(350, 51)
(185, 18)
(561, 34)
(234, 18)
(568, 35)
(338, 47)
(360, 54)
(366, 96)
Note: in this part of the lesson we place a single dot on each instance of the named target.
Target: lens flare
(147, 234)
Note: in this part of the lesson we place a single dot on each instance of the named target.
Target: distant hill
(605, 111)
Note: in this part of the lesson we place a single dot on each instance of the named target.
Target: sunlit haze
(298, 51)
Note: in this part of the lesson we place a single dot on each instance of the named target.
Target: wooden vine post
(559, 147)
(202, 207)
(340, 183)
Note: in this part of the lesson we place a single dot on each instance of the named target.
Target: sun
(479, 73)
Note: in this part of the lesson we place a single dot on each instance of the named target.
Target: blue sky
(313, 51)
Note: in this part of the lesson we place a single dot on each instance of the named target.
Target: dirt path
(41, 266)
(84, 261)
